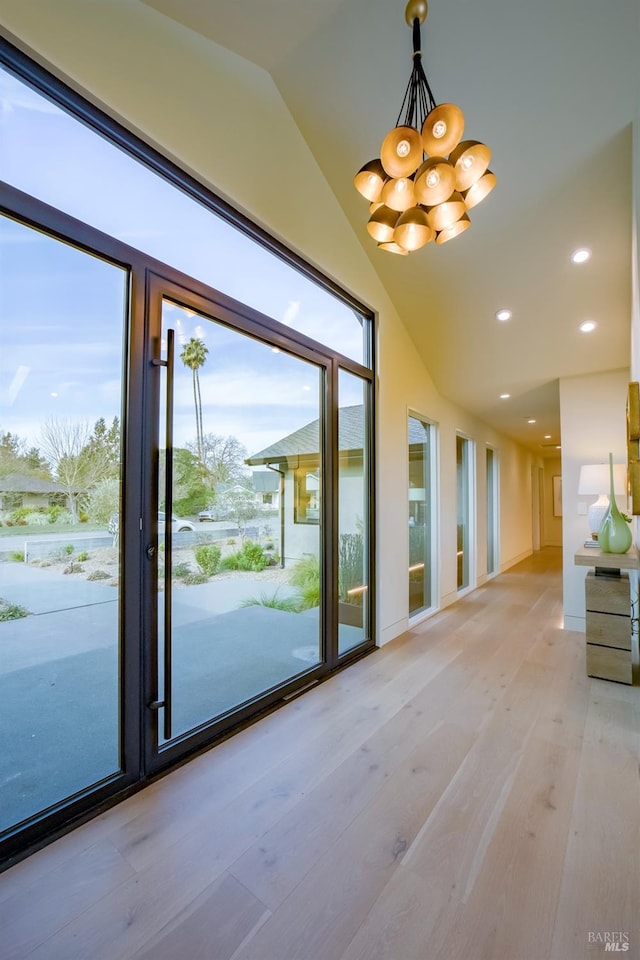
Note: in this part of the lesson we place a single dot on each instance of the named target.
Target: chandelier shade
(399, 194)
(392, 247)
(442, 130)
(470, 160)
(445, 214)
(370, 179)
(401, 152)
(382, 223)
(435, 181)
(478, 191)
(412, 229)
(449, 233)
(426, 177)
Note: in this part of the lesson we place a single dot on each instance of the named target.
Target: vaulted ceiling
(552, 88)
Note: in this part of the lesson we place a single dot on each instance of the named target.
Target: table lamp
(594, 481)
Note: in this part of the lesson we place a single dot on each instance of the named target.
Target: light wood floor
(465, 793)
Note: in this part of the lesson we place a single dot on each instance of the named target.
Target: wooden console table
(611, 623)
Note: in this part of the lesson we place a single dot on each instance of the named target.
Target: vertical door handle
(168, 513)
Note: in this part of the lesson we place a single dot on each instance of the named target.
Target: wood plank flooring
(465, 793)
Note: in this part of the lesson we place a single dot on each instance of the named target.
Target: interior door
(235, 516)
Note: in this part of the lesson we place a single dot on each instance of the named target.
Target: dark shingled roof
(306, 440)
(20, 483)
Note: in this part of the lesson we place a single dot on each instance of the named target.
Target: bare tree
(63, 443)
(223, 458)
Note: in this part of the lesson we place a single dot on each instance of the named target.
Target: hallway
(467, 792)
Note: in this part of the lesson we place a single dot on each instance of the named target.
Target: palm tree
(193, 356)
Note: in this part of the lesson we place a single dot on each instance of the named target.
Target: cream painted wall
(551, 526)
(223, 119)
(593, 424)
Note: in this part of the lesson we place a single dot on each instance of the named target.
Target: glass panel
(93, 180)
(353, 507)
(463, 488)
(492, 518)
(61, 334)
(245, 572)
(419, 515)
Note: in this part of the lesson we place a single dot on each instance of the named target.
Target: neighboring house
(296, 459)
(19, 490)
(266, 484)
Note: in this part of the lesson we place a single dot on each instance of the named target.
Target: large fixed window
(186, 455)
(421, 513)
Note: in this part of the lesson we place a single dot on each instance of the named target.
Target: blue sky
(62, 310)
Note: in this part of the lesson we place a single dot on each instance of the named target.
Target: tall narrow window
(464, 528)
(492, 511)
(61, 340)
(420, 514)
(353, 512)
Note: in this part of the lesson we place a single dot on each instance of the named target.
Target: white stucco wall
(223, 119)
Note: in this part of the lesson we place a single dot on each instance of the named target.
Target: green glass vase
(614, 535)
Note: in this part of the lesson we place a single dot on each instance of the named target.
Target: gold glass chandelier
(427, 178)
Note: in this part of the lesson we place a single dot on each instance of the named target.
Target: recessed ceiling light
(503, 315)
(505, 396)
(531, 420)
(547, 436)
(581, 255)
(587, 326)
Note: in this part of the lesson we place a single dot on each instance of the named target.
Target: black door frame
(147, 277)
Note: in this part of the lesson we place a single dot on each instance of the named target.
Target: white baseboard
(513, 560)
(393, 631)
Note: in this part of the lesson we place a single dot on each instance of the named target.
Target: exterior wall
(208, 112)
(593, 423)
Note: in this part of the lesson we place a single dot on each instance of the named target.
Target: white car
(178, 525)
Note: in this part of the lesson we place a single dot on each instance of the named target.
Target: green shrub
(275, 602)
(208, 558)
(17, 556)
(309, 596)
(68, 549)
(54, 512)
(195, 578)
(305, 571)
(250, 556)
(36, 519)
(350, 565)
(21, 513)
(83, 555)
(181, 570)
(11, 611)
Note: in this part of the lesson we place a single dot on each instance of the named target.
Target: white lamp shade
(595, 479)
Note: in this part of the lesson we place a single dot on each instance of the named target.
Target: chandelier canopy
(427, 178)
